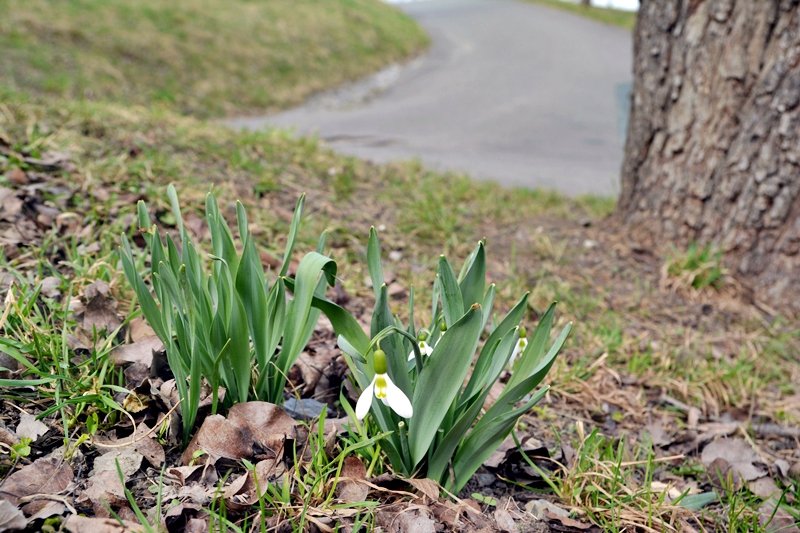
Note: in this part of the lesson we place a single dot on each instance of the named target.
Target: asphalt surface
(514, 92)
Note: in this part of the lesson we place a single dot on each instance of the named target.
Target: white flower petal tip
(386, 391)
(365, 400)
(397, 400)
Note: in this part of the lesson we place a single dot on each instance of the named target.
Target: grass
(614, 17)
(119, 153)
(635, 340)
(204, 57)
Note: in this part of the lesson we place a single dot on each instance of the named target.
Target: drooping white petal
(424, 348)
(518, 349)
(365, 401)
(397, 400)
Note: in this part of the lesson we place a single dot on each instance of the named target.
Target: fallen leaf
(39, 510)
(219, 438)
(247, 489)
(140, 351)
(30, 428)
(764, 488)
(775, 519)
(100, 308)
(44, 476)
(268, 424)
(406, 520)
(50, 287)
(427, 487)
(504, 521)
(84, 524)
(142, 442)
(569, 522)
(735, 452)
(129, 462)
(351, 487)
(103, 490)
(540, 509)
(11, 517)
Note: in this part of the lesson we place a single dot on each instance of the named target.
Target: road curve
(509, 91)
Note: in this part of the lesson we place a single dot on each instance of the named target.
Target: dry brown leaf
(140, 351)
(776, 520)
(427, 487)
(218, 438)
(44, 476)
(540, 509)
(568, 522)
(130, 461)
(100, 308)
(139, 329)
(102, 490)
(142, 441)
(764, 488)
(504, 521)
(84, 524)
(735, 452)
(351, 487)
(248, 488)
(412, 519)
(11, 517)
(30, 428)
(41, 509)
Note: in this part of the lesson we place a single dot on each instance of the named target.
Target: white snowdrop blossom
(424, 349)
(383, 389)
(522, 343)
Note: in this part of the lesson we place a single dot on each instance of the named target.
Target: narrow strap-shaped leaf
(221, 238)
(293, 229)
(149, 307)
(536, 347)
(509, 322)
(393, 345)
(374, 261)
(241, 361)
(478, 448)
(472, 280)
(488, 304)
(343, 323)
(440, 380)
(542, 364)
(452, 302)
(308, 275)
(440, 460)
(251, 288)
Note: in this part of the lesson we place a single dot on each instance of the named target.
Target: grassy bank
(648, 351)
(204, 57)
(615, 17)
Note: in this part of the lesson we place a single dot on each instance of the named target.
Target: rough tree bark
(713, 147)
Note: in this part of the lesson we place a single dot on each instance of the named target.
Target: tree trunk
(713, 147)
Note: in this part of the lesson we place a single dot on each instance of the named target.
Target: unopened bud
(379, 361)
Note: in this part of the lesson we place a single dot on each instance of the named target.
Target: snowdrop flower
(383, 389)
(522, 343)
(424, 348)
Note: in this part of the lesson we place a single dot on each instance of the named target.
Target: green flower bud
(442, 326)
(522, 332)
(422, 335)
(379, 361)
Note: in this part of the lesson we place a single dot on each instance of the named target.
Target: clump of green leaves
(698, 267)
(451, 431)
(225, 323)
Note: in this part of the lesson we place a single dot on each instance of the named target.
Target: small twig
(51, 497)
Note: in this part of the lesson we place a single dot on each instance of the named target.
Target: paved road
(514, 92)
